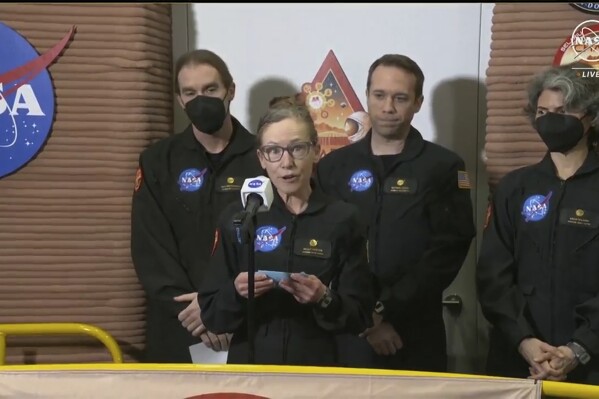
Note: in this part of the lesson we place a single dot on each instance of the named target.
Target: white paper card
(201, 354)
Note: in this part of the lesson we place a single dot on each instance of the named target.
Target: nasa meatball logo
(535, 207)
(255, 183)
(26, 98)
(361, 181)
(268, 238)
(191, 180)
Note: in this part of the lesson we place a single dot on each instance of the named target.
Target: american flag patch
(463, 179)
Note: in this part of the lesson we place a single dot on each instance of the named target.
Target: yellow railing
(568, 390)
(59, 328)
(549, 388)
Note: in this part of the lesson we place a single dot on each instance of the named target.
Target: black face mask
(560, 132)
(206, 113)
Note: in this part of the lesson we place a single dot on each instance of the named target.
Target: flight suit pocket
(585, 261)
(225, 184)
(400, 185)
(312, 247)
(314, 256)
(582, 218)
(581, 234)
(527, 289)
(403, 195)
(530, 297)
(533, 244)
(186, 202)
(588, 242)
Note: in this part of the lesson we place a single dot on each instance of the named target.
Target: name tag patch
(579, 217)
(400, 185)
(228, 183)
(312, 247)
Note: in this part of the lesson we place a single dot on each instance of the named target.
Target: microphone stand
(246, 222)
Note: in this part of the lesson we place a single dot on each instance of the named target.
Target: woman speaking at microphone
(317, 243)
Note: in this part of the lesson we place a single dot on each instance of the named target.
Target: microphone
(256, 195)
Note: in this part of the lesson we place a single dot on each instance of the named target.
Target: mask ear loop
(585, 115)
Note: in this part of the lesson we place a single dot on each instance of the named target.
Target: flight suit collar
(241, 140)
(413, 146)
(317, 201)
(590, 164)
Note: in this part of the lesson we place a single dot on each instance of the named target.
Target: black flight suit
(325, 240)
(538, 270)
(420, 222)
(174, 216)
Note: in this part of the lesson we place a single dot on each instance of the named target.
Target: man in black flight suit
(415, 197)
(183, 182)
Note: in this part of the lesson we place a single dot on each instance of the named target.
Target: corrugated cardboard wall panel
(64, 218)
(525, 39)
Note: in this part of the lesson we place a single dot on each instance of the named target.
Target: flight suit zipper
(212, 173)
(552, 274)
(289, 270)
(183, 204)
(291, 243)
(378, 205)
(211, 180)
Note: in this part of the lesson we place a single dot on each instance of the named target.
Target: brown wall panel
(64, 217)
(525, 39)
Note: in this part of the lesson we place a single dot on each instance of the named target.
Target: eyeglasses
(274, 153)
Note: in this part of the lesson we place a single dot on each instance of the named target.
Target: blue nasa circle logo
(26, 101)
(192, 179)
(536, 207)
(361, 180)
(591, 8)
(255, 183)
(268, 238)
